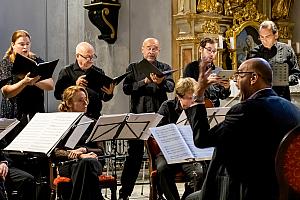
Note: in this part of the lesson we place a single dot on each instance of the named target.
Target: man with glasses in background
(214, 92)
(277, 53)
(75, 74)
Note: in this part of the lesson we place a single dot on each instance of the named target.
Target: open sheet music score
(44, 132)
(177, 145)
(6, 125)
(124, 126)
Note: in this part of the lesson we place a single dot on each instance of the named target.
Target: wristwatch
(198, 99)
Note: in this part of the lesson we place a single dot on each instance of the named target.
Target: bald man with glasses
(75, 73)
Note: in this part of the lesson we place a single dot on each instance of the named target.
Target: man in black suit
(243, 165)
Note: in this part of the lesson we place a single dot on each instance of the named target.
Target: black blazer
(243, 166)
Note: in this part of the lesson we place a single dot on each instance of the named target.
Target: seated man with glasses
(74, 74)
(217, 91)
(276, 53)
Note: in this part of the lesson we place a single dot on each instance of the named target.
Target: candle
(221, 41)
(232, 45)
(290, 42)
(297, 47)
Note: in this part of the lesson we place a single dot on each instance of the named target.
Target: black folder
(23, 65)
(96, 80)
(146, 68)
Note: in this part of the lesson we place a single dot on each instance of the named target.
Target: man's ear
(276, 35)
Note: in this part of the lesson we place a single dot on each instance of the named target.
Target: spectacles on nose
(213, 51)
(93, 57)
(239, 73)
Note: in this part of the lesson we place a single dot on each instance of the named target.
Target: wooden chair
(61, 183)
(287, 165)
(153, 150)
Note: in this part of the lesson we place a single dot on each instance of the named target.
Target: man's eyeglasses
(93, 57)
(211, 50)
(239, 73)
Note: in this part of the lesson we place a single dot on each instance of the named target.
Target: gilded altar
(233, 24)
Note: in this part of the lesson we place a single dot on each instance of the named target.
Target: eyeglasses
(93, 57)
(211, 50)
(239, 73)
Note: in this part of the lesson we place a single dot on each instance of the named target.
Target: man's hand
(3, 169)
(81, 81)
(156, 79)
(147, 80)
(109, 90)
(225, 83)
(205, 78)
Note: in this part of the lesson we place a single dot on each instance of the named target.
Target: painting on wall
(246, 40)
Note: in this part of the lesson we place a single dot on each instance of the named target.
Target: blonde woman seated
(84, 173)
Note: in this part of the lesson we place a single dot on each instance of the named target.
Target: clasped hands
(81, 153)
(81, 81)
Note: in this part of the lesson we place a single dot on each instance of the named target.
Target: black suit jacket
(243, 166)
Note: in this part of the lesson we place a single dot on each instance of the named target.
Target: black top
(278, 54)
(146, 98)
(170, 110)
(213, 92)
(239, 143)
(68, 76)
(29, 101)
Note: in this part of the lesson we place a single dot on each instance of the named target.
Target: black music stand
(123, 126)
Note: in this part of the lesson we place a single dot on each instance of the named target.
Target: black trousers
(166, 177)
(84, 175)
(22, 182)
(132, 167)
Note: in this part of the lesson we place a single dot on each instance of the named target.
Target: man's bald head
(262, 68)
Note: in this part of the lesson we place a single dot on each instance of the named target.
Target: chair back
(287, 164)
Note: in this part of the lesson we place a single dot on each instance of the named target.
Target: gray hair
(269, 25)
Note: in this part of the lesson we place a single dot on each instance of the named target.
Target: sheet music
(216, 115)
(172, 144)
(280, 74)
(79, 130)
(43, 132)
(124, 126)
(6, 125)
(199, 154)
(182, 120)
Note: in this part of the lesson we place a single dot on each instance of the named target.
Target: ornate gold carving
(281, 9)
(105, 12)
(211, 26)
(212, 6)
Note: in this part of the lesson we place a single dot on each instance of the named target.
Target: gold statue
(281, 9)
